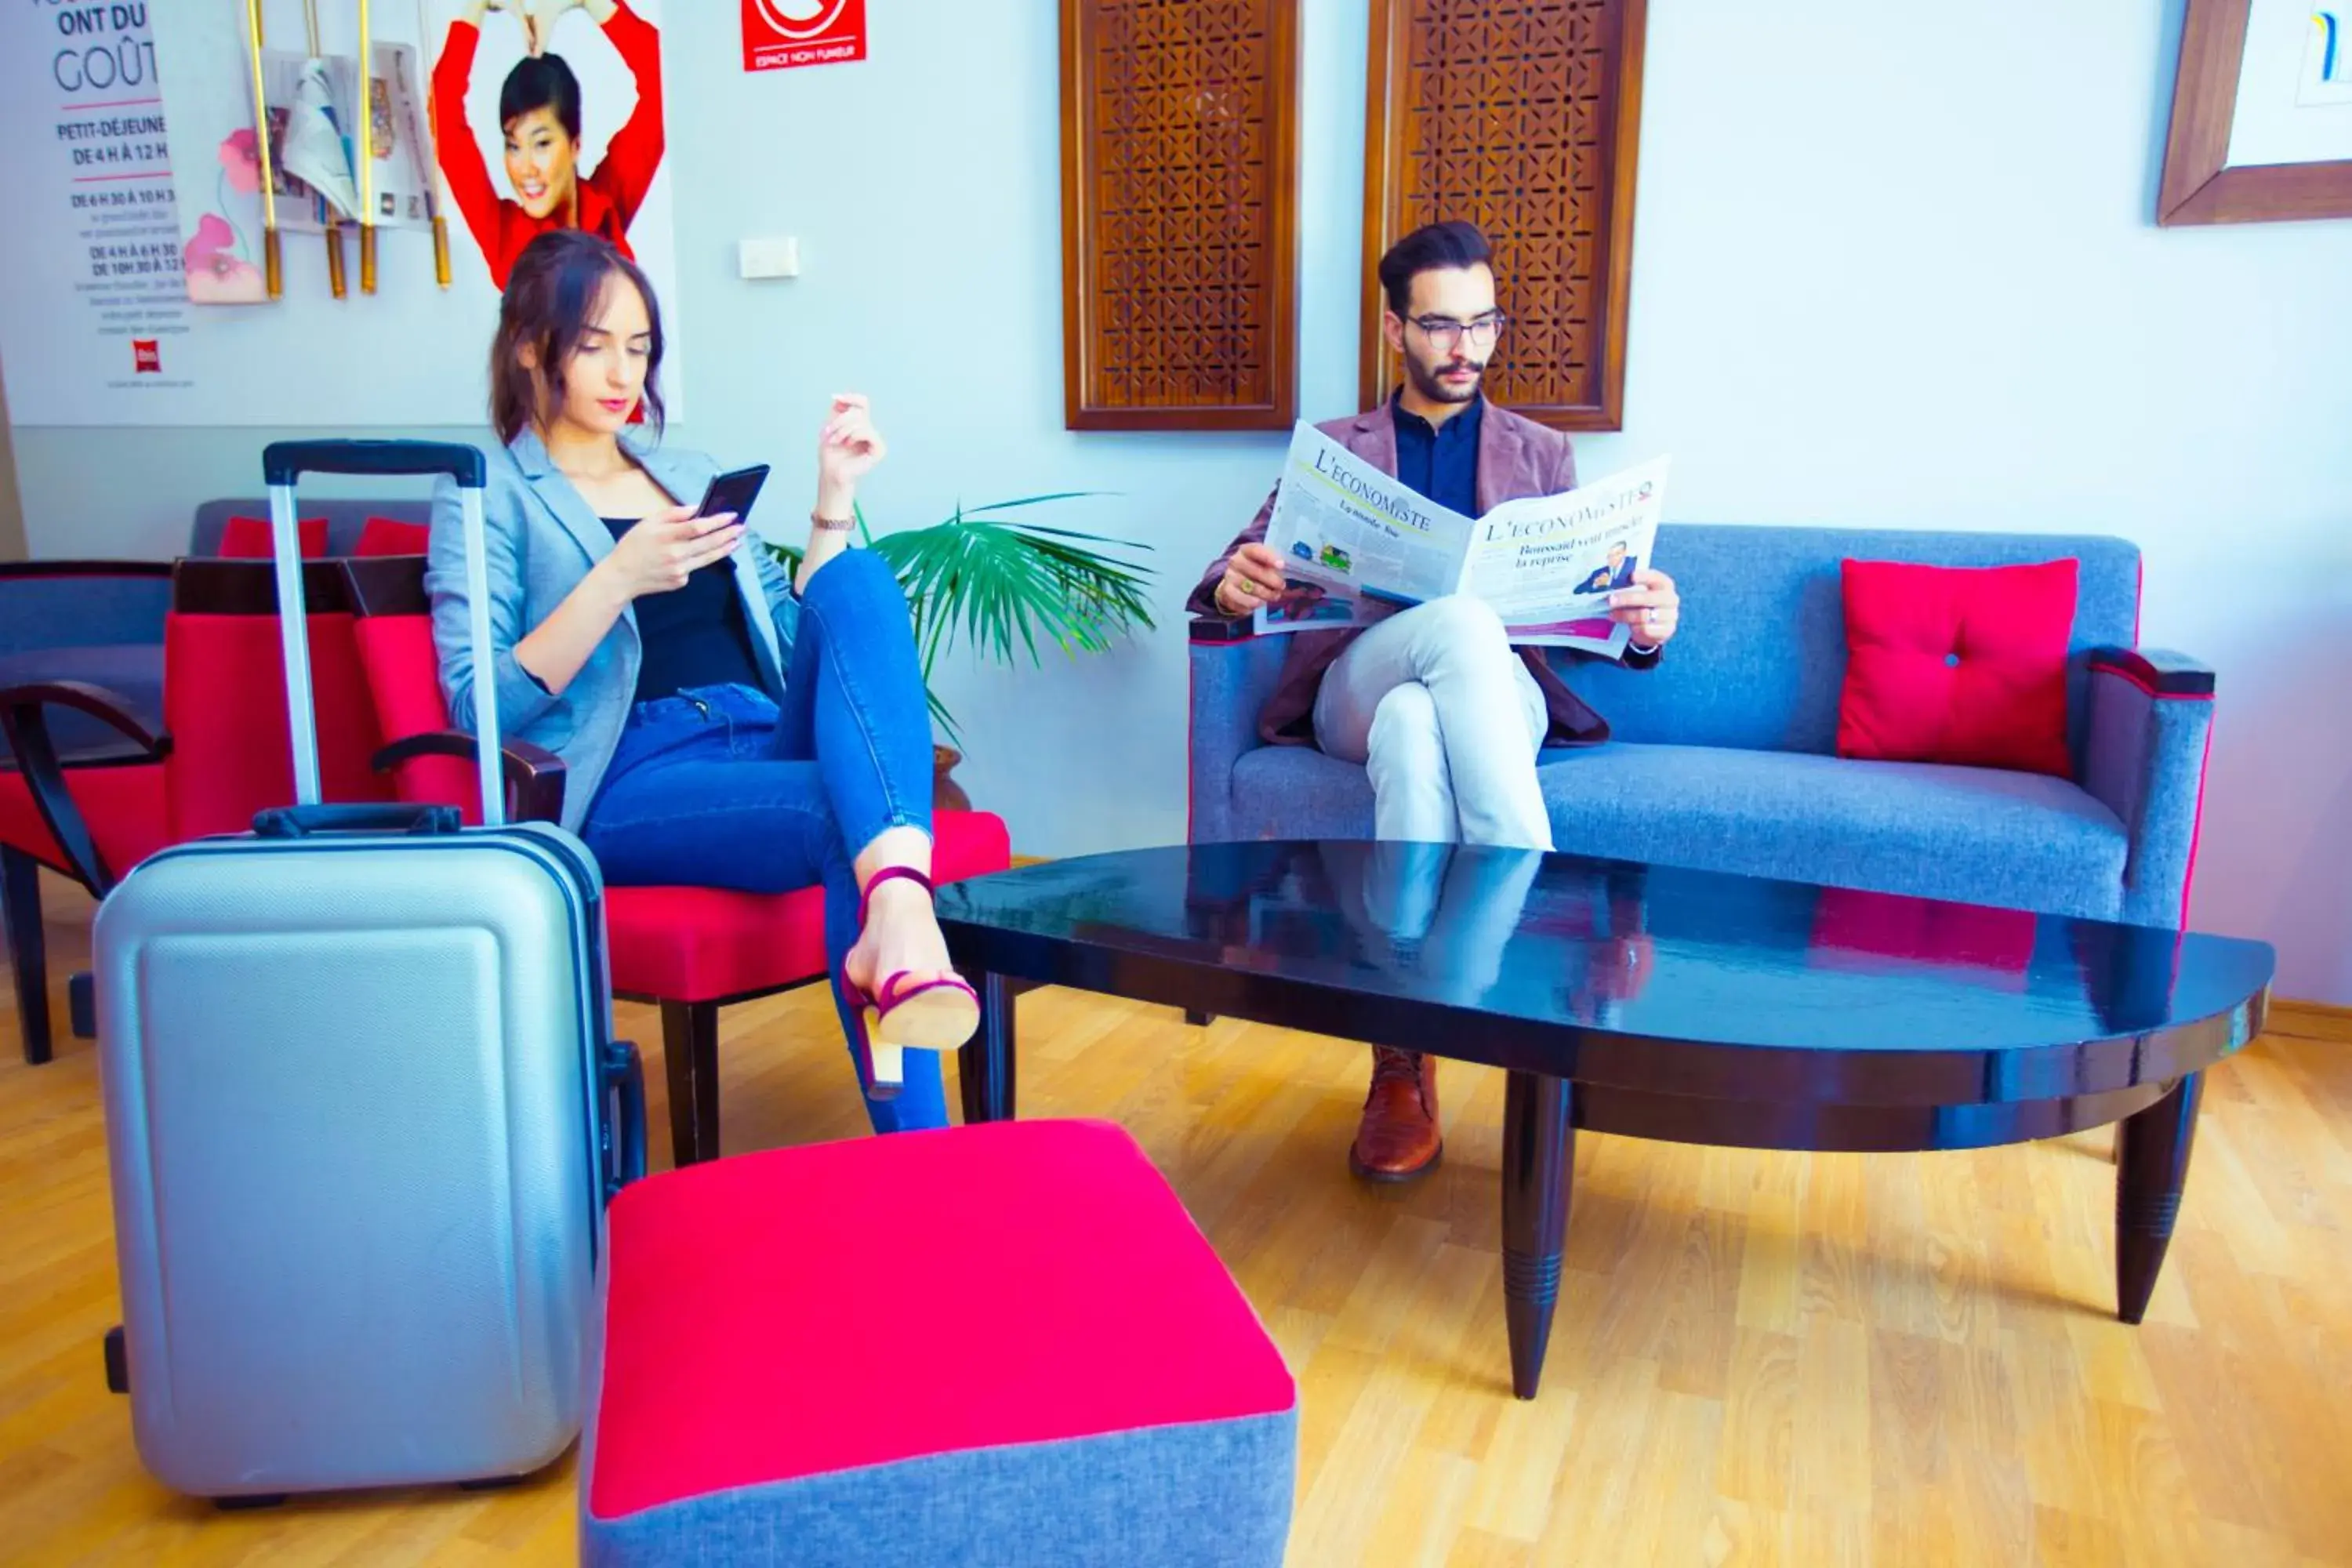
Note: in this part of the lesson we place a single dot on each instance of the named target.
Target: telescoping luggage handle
(284, 462)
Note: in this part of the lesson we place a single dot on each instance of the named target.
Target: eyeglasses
(1445, 333)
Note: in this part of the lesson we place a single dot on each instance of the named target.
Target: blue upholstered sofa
(1724, 756)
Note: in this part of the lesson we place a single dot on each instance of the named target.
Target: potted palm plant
(1006, 587)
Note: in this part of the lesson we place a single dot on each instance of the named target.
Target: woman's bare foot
(901, 936)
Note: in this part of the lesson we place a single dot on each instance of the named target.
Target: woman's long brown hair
(552, 297)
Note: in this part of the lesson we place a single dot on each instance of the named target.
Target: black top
(1606, 971)
(1440, 461)
(695, 636)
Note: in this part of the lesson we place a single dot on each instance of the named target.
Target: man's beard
(1424, 379)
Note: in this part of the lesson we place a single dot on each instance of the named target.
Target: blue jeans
(721, 787)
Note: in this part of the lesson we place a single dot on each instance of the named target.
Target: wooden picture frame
(1555, 200)
(1180, 214)
(2199, 184)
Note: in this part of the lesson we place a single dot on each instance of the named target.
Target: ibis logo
(147, 356)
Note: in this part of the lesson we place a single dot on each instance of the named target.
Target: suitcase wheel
(81, 1006)
(245, 1504)
(118, 1362)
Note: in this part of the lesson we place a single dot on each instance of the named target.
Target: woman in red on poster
(538, 114)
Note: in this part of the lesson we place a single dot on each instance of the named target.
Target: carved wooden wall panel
(1179, 135)
(1523, 117)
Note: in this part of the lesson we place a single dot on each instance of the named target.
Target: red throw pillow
(1957, 664)
(247, 538)
(390, 536)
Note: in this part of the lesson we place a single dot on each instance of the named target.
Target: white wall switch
(773, 257)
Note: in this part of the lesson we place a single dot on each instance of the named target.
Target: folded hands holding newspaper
(1358, 545)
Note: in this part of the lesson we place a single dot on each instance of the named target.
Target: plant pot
(946, 794)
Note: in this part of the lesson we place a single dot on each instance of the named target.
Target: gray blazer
(542, 538)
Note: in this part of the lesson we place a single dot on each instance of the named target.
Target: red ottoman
(996, 1345)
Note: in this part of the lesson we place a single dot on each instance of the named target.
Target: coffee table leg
(1539, 1156)
(2151, 1167)
(985, 1069)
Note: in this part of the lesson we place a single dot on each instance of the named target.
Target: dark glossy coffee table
(1648, 1001)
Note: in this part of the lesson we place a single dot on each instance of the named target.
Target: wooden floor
(1761, 1358)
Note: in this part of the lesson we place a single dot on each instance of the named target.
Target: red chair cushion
(703, 944)
(403, 678)
(390, 536)
(247, 538)
(779, 1315)
(224, 705)
(124, 806)
(677, 943)
(1964, 665)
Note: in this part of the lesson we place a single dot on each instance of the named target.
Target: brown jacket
(1517, 457)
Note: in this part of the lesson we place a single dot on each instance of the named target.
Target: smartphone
(734, 492)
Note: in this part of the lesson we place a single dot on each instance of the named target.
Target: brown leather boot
(1399, 1139)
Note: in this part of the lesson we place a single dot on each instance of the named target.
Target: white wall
(1863, 294)
(12, 513)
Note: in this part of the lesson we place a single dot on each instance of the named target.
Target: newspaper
(1358, 545)
(397, 142)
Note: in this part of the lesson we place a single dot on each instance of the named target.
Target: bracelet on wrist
(833, 524)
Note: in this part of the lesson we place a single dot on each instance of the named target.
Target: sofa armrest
(1234, 676)
(1220, 629)
(2159, 672)
(24, 719)
(533, 774)
(2144, 753)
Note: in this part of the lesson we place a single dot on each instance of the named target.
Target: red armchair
(91, 809)
(691, 950)
(84, 624)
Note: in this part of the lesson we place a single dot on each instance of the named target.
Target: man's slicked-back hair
(1426, 249)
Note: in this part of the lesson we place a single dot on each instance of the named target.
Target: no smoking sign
(781, 34)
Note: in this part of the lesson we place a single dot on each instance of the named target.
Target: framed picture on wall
(1525, 120)
(2262, 113)
(1180, 214)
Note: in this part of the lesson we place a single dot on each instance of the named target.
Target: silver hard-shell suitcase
(363, 1111)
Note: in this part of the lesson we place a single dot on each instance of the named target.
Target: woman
(718, 725)
(539, 116)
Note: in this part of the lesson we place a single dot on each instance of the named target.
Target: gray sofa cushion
(1975, 835)
(1761, 661)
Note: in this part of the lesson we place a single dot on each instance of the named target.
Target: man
(1445, 716)
(1617, 573)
